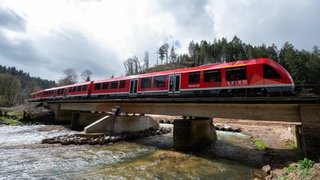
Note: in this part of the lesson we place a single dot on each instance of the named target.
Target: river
(232, 157)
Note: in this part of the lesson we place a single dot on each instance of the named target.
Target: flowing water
(232, 157)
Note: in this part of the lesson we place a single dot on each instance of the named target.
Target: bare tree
(162, 53)
(166, 49)
(86, 75)
(146, 60)
(132, 66)
(173, 55)
(70, 77)
(9, 89)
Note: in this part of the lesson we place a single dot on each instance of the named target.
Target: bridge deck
(255, 108)
(227, 100)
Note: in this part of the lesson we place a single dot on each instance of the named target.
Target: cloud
(70, 48)
(10, 20)
(45, 37)
(14, 44)
(267, 21)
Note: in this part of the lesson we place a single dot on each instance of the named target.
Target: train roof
(210, 67)
(194, 69)
(40, 91)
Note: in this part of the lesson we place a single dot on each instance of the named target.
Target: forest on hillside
(16, 85)
(304, 66)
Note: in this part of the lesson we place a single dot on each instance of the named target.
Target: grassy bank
(11, 118)
(303, 169)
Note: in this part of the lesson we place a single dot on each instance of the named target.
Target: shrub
(305, 163)
(259, 143)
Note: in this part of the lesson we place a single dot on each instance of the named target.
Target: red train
(241, 78)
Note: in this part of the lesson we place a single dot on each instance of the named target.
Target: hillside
(15, 85)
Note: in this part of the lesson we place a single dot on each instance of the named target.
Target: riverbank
(277, 141)
(27, 113)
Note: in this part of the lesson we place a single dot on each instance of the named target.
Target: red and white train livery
(241, 78)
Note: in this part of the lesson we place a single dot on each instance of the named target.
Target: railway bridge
(190, 131)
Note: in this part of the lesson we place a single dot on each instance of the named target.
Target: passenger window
(114, 85)
(122, 84)
(105, 85)
(159, 81)
(194, 77)
(97, 86)
(84, 87)
(270, 73)
(79, 88)
(146, 82)
(212, 76)
(238, 73)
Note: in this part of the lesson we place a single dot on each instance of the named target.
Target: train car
(112, 87)
(48, 94)
(36, 96)
(241, 78)
(79, 90)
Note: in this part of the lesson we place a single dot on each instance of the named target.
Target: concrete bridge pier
(191, 134)
(61, 115)
(308, 134)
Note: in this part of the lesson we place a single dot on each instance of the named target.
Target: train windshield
(270, 73)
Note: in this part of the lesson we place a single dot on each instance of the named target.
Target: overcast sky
(45, 37)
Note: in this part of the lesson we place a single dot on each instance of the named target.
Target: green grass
(291, 169)
(9, 121)
(303, 169)
(291, 145)
(260, 144)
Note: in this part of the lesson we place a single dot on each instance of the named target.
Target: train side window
(114, 85)
(212, 75)
(105, 85)
(194, 78)
(159, 81)
(97, 86)
(146, 82)
(84, 87)
(270, 73)
(122, 84)
(238, 73)
(74, 89)
(79, 88)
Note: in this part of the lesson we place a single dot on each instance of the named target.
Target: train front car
(36, 96)
(277, 80)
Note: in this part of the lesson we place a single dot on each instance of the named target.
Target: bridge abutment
(118, 124)
(81, 119)
(189, 134)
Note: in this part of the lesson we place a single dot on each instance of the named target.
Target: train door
(174, 84)
(133, 87)
(65, 92)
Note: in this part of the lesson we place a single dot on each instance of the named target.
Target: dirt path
(276, 135)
